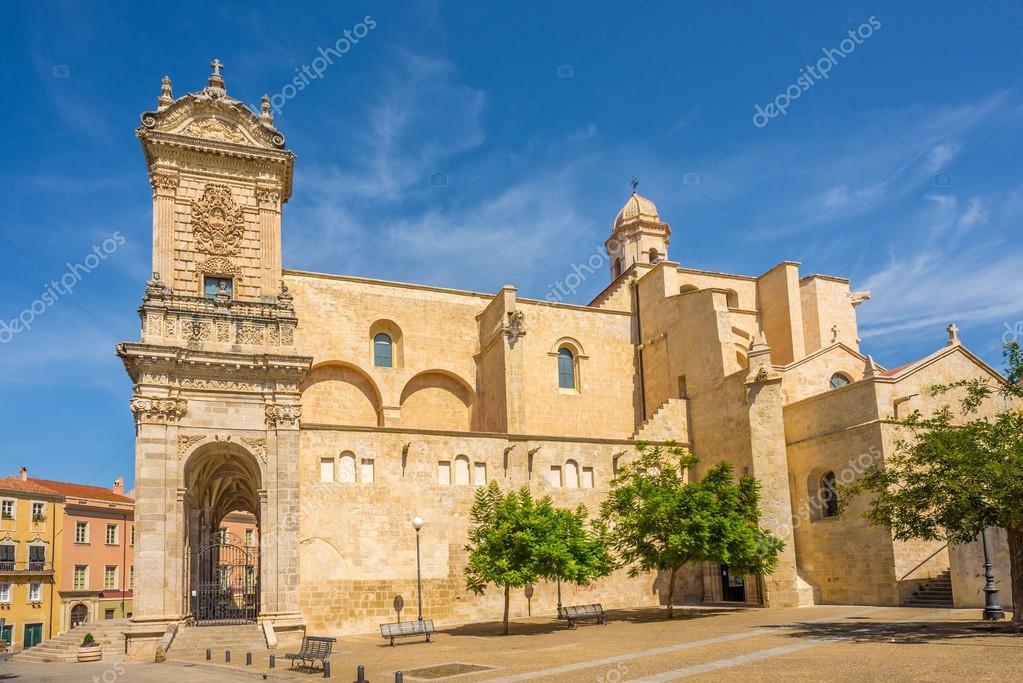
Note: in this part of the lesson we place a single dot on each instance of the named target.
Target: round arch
(438, 399)
(337, 392)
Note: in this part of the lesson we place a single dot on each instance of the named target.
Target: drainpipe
(124, 557)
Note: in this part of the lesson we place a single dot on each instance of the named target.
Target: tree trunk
(671, 593)
(507, 599)
(1016, 573)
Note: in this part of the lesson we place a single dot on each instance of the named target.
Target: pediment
(216, 119)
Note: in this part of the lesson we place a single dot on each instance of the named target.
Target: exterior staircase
(669, 422)
(937, 592)
(64, 648)
(191, 642)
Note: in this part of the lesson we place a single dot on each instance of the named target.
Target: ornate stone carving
(186, 441)
(249, 334)
(257, 446)
(218, 265)
(217, 221)
(515, 327)
(164, 181)
(196, 330)
(158, 410)
(274, 335)
(268, 195)
(170, 328)
(287, 335)
(216, 384)
(213, 128)
(282, 415)
(223, 332)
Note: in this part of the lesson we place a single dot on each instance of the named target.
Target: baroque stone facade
(335, 409)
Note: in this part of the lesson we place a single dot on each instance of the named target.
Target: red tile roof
(18, 484)
(81, 491)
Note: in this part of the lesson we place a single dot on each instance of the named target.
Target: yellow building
(30, 560)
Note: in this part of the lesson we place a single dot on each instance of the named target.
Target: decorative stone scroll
(257, 446)
(217, 221)
(282, 415)
(186, 441)
(158, 410)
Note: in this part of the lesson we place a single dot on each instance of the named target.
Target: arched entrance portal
(79, 614)
(222, 512)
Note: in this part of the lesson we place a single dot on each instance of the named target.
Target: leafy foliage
(514, 540)
(660, 521)
(956, 474)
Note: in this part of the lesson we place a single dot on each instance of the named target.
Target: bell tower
(637, 235)
(220, 174)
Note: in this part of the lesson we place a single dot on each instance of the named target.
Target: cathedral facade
(335, 409)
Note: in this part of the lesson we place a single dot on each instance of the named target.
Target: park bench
(574, 613)
(404, 629)
(314, 648)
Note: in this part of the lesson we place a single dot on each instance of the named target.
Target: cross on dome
(217, 66)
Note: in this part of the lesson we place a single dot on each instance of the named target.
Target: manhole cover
(446, 670)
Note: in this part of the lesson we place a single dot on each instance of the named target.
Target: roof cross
(217, 66)
(635, 184)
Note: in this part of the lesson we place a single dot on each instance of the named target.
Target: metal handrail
(929, 557)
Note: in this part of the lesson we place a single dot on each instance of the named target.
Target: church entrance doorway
(733, 588)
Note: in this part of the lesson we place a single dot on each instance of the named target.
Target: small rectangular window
(250, 538)
(326, 470)
(367, 470)
(555, 476)
(81, 577)
(444, 472)
(81, 532)
(7, 509)
(479, 474)
(213, 285)
(110, 577)
(35, 592)
(133, 534)
(108, 614)
(111, 534)
(131, 577)
(587, 477)
(38, 512)
(5, 593)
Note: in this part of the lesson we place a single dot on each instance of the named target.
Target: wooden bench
(405, 629)
(574, 613)
(314, 648)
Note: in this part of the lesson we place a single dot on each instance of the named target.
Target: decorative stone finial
(265, 115)
(215, 86)
(870, 368)
(165, 93)
(953, 335)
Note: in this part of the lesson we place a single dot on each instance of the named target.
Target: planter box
(93, 653)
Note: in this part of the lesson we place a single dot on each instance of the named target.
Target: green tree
(659, 521)
(576, 550)
(515, 539)
(956, 474)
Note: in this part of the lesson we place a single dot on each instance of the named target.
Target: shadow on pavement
(911, 633)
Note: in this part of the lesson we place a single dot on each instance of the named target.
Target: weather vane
(634, 183)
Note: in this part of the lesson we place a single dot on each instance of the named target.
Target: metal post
(273, 661)
(419, 578)
(399, 677)
(227, 656)
(326, 668)
(360, 674)
(992, 610)
(559, 597)
(209, 654)
(248, 659)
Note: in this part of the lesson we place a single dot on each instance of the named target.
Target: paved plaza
(825, 643)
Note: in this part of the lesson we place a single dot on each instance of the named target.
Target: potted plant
(89, 650)
(38, 518)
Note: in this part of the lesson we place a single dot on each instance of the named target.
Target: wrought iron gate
(225, 582)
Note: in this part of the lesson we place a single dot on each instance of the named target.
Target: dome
(637, 206)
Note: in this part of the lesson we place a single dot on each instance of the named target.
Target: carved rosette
(217, 221)
(158, 410)
(283, 415)
(218, 265)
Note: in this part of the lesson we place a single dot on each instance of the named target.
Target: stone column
(270, 239)
(165, 187)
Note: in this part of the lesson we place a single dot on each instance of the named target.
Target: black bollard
(209, 655)
(248, 659)
(227, 656)
(360, 675)
(273, 661)
(326, 668)
(399, 677)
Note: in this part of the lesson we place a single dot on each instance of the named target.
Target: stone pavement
(824, 643)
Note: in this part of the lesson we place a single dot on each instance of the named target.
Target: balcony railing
(32, 567)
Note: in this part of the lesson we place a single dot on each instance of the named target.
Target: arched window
(829, 495)
(571, 474)
(618, 267)
(731, 298)
(347, 473)
(654, 256)
(566, 369)
(462, 470)
(383, 352)
(838, 380)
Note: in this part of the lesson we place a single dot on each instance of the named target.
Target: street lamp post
(418, 523)
(992, 610)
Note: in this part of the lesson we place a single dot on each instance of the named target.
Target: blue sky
(900, 170)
